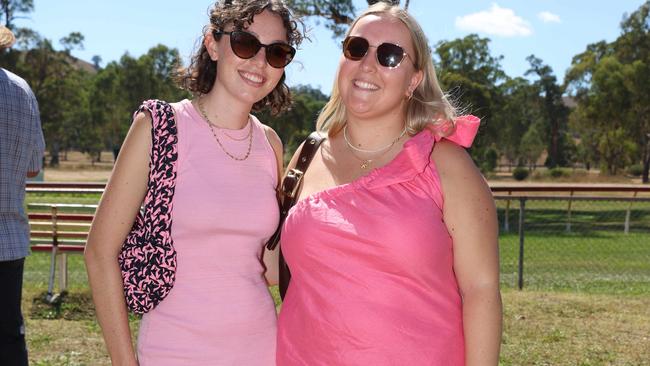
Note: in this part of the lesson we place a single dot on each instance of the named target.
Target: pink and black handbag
(148, 258)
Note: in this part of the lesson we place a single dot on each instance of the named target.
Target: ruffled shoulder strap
(465, 131)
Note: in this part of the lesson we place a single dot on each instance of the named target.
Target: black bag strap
(292, 182)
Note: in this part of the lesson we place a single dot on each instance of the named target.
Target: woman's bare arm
(113, 220)
(271, 256)
(470, 216)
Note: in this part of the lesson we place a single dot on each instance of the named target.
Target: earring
(410, 95)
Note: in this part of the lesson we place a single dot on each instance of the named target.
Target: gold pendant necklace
(365, 163)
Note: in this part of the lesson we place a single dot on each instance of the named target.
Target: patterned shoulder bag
(148, 258)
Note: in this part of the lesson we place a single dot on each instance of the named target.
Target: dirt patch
(68, 306)
(77, 175)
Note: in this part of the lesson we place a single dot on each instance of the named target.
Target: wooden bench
(54, 230)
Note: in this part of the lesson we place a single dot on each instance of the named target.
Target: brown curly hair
(200, 75)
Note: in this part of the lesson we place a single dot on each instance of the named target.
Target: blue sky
(553, 30)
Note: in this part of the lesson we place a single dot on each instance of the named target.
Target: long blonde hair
(428, 104)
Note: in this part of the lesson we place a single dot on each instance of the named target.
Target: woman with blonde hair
(392, 245)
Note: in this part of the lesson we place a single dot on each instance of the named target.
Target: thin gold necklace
(212, 126)
(365, 163)
(351, 145)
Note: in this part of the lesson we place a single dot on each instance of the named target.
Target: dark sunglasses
(388, 54)
(245, 45)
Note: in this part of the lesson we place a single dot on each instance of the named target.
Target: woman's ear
(416, 79)
(211, 45)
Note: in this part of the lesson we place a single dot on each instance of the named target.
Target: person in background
(21, 156)
(219, 311)
(392, 245)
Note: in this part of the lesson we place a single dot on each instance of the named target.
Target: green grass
(554, 328)
(540, 328)
(586, 216)
(601, 262)
(89, 199)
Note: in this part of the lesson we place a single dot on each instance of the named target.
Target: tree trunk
(646, 162)
(116, 151)
(554, 145)
(54, 155)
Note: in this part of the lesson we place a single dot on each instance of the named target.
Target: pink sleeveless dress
(372, 268)
(219, 311)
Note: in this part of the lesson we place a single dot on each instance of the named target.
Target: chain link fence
(569, 237)
(576, 243)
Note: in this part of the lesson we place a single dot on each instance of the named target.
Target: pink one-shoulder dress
(219, 311)
(372, 268)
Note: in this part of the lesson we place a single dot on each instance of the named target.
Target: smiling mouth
(365, 85)
(253, 78)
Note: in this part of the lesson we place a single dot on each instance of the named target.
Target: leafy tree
(337, 14)
(516, 113)
(616, 150)
(532, 145)
(554, 113)
(9, 10)
(611, 82)
(59, 87)
(470, 73)
(120, 87)
(633, 48)
(97, 60)
(294, 125)
(490, 159)
(108, 108)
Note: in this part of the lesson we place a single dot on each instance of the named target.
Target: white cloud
(497, 21)
(548, 17)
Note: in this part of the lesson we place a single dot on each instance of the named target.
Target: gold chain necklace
(212, 126)
(365, 163)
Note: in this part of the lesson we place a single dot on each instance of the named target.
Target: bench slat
(61, 217)
(60, 224)
(61, 248)
(60, 234)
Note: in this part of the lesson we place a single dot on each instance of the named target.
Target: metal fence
(576, 240)
(592, 238)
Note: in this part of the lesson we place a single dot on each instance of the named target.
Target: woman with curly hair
(219, 310)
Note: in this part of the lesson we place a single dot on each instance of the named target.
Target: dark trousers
(13, 350)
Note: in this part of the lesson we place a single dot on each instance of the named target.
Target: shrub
(490, 162)
(520, 173)
(557, 172)
(635, 170)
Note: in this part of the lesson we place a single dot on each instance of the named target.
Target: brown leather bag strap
(289, 192)
(292, 182)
